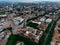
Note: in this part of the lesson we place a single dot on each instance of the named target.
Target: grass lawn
(13, 39)
(1, 13)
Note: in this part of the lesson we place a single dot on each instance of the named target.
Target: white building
(1, 28)
(48, 20)
(17, 20)
(2, 35)
(42, 19)
(36, 22)
(3, 15)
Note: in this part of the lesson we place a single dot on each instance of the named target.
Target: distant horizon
(27, 1)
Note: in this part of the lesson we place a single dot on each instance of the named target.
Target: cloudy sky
(30, 0)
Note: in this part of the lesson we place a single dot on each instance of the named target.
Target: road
(48, 33)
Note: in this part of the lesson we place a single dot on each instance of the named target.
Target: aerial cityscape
(29, 22)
